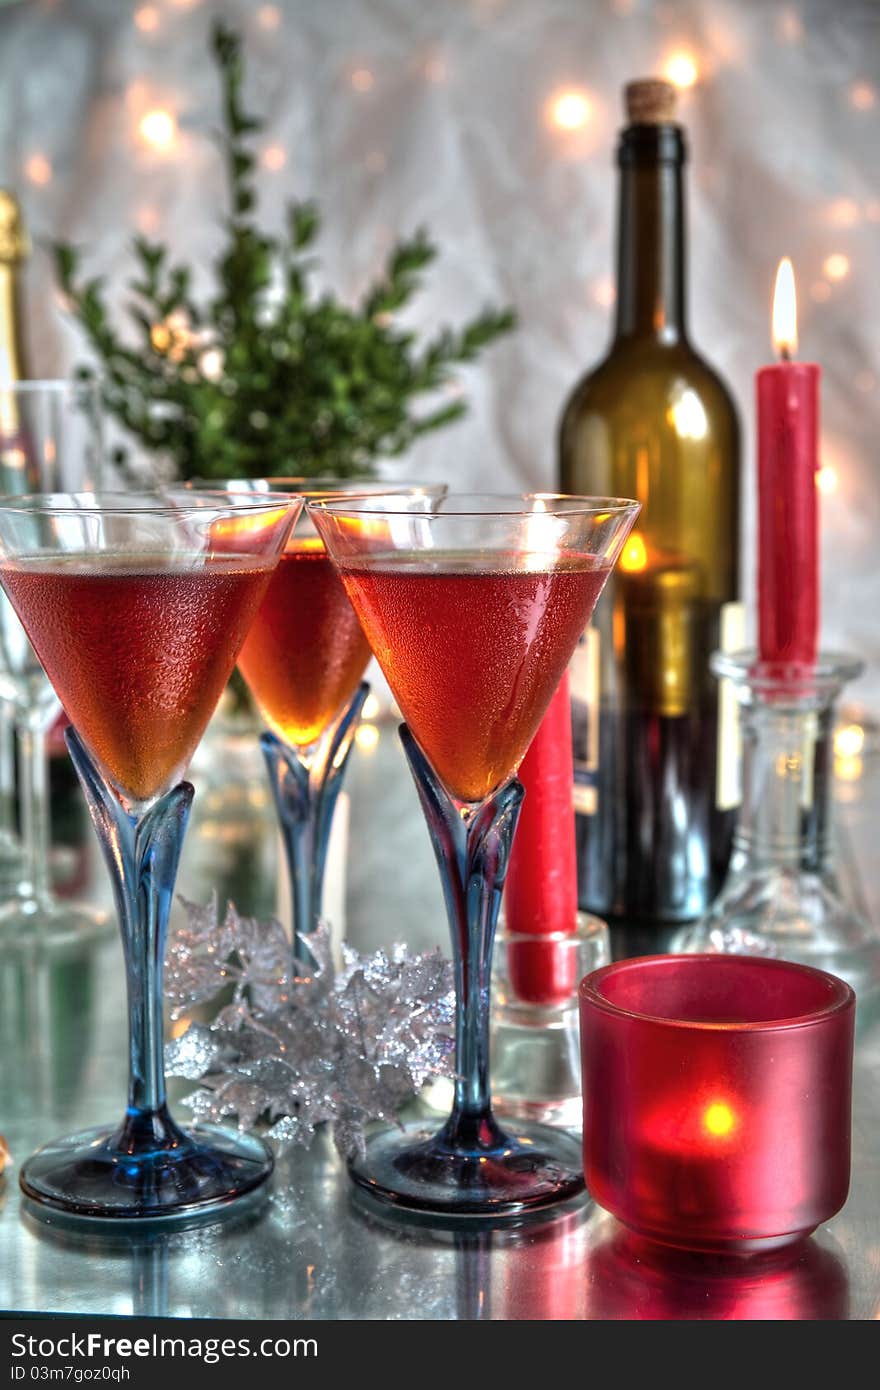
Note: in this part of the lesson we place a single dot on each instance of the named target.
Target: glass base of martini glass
(472, 1166)
(147, 1168)
(523, 1169)
(185, 1172)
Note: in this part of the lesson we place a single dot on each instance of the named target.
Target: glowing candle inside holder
(788, 536)
(717, 1098)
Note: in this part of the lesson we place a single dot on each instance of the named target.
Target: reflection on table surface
(309, 1250)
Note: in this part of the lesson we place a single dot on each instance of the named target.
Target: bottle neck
(650, 240)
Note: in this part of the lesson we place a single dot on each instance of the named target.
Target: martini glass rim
(462, 504)
(283, 485)
(105, 503)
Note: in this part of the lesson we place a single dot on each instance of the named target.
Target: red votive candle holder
(717, 1098)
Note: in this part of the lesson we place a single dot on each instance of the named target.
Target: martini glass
(473, 612)
(303, 661)
(137, 608)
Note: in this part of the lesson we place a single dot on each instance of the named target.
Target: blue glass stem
(306, 787)
(472, 846)
(142, 854)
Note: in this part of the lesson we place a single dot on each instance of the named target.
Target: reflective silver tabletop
(309, 1251)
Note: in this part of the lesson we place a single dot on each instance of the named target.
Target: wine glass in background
(473, 610)
(10, 844)
(50, 441)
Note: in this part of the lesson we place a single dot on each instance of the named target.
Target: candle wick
(785, 353)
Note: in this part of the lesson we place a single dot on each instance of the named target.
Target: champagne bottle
(14, 250)
(654, 421)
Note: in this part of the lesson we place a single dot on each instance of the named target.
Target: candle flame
(718, 1118)
(785, 338)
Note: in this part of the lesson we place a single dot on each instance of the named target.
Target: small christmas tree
(265, 377)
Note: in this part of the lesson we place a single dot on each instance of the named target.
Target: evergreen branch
(293, 376)
(402, 275)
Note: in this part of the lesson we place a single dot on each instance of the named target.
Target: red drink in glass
(138, 648)
(473, 649)
(306, 650)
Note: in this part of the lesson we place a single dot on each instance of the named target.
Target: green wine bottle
(654, 421)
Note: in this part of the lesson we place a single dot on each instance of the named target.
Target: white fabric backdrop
(395, 113)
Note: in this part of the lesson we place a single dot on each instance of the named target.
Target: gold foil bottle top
(15, 244)
(650, 101)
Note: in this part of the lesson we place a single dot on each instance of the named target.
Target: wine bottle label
(584, 685)
(728, 782)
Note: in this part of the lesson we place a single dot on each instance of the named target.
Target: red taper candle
(541, 894)
(788, 529)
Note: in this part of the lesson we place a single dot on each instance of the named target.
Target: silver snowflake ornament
(287, 1053)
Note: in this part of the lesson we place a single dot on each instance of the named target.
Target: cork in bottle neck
(650, 101)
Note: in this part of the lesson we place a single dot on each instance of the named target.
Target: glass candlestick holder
(534, 1029)
(782, 896)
